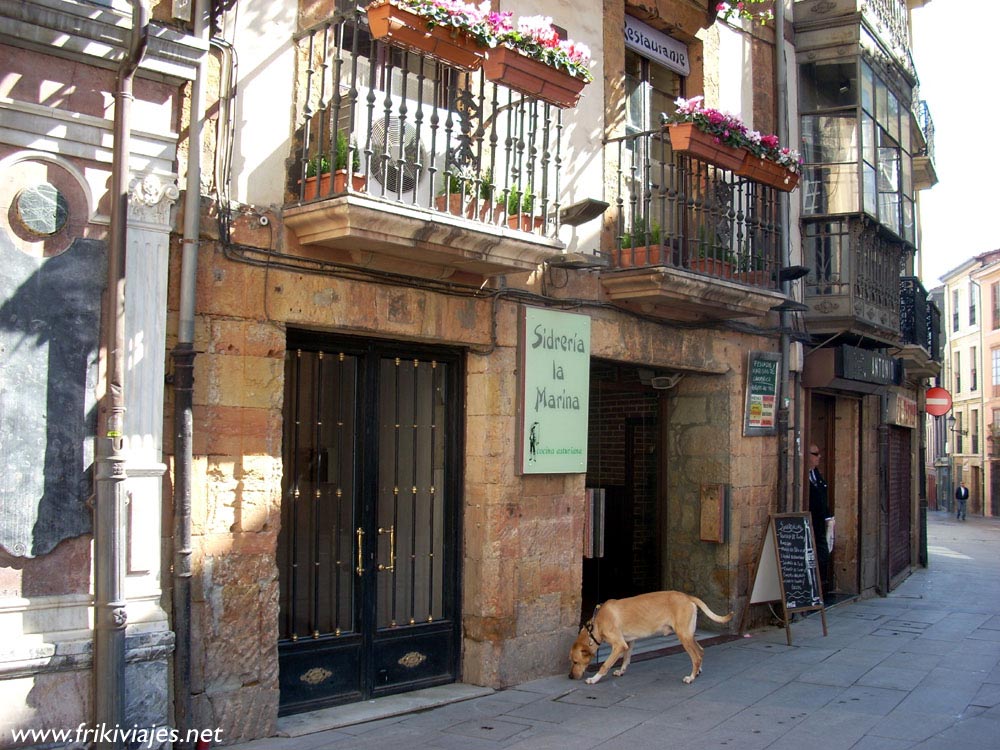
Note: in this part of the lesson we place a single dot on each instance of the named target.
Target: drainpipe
(785, 503)
(109, 516)
(183, 358)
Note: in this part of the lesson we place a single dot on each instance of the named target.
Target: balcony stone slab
(917, 362)
(676, 294)
(385, 235)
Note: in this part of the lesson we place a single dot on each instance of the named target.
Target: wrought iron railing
(926, 124)
(678, 211)
(412, 130)
(934, 338)
(853, 259)
(913, 313)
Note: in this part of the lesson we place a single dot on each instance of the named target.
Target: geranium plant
(729, 130)
(750, 10)
(533, 36)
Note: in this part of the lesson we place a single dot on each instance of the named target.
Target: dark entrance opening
(625, 460)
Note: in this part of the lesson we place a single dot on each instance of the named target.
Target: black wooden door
(367, 552)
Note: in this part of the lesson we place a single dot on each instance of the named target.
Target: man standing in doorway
(961, 497)
(819, 508)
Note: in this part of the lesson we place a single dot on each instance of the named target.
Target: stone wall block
(539, 615)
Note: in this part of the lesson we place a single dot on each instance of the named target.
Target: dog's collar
(589, 626)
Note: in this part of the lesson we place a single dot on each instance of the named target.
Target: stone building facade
(364, 519)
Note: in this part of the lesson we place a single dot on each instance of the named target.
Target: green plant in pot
(640, 244)
(520, 203)
(318, 171)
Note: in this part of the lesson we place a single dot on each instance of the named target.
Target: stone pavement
(918, 669)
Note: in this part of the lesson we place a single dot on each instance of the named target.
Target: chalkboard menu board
(787, 568)
(797, 559)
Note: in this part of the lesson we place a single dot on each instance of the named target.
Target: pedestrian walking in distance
(961, 499)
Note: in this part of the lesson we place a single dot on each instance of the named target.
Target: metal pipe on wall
(109, 514)
(183, 356)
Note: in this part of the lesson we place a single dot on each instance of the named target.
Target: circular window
(42, 209)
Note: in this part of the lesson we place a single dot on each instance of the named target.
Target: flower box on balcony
(768, 172)
(403, 28)
(635, 257)
(531, 77)
(318, 186)
(686, 138)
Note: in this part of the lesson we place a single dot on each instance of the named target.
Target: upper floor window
(974, 430)
(855, 126)
(995, 367)
(995, 300)
(973, 369)
(958, 372)
(650, 89)
(973, 302)
(954, 309)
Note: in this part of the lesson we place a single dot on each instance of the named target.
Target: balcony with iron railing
(924, 170)
(853, 283)
(692, 240)
(920, 350)
(444, 174)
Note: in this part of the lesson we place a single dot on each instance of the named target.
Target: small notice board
(787, 569)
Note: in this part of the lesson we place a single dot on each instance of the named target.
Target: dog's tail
(704, 608)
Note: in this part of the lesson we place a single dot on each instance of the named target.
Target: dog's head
(581, 654)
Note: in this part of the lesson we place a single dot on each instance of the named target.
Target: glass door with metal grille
(367, 552)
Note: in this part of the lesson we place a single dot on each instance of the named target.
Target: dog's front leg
(628, 660)
(617, 649)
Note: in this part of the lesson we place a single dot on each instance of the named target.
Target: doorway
(625, 460)
(368, 548)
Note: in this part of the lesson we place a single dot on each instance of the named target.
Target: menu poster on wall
(554, 375)
(763, 392)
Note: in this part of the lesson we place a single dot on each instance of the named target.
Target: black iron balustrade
(935, 341)
(913, 313)
(677, 211)
(926, 124)
(412, 130)
(855, 266)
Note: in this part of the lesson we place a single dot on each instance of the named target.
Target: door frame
(370, 353)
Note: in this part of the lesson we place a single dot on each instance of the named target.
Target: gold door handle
(391, 531)
(360, 570)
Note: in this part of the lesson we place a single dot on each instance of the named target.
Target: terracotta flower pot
(685, 138)
(403, 28)
(633, 257)
(319, 186)
(525, 222)
(768, 172)
(510, 68)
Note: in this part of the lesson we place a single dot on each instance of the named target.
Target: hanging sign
(763, 391)
(656, 46)
(554, 389)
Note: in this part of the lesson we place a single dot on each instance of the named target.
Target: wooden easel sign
(787, 569)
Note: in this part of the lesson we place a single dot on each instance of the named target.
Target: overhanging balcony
(693, 241)
(920, 330)
(853, 285)
(446, 175)
(924, 170)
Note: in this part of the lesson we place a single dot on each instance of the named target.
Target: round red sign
(938, 401)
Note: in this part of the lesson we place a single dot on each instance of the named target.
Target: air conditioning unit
(405, 162)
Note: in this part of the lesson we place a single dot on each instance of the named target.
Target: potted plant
(722, 139)
(453, 194)
(640, 245)
(529, 57)
(451, 31)
(520, 204)
(319, 173)
(712, 259)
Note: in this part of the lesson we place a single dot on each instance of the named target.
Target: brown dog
(621, 622)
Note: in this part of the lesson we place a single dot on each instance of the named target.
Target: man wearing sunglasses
(819, 508)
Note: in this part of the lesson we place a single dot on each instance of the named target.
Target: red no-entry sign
(938, 401)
